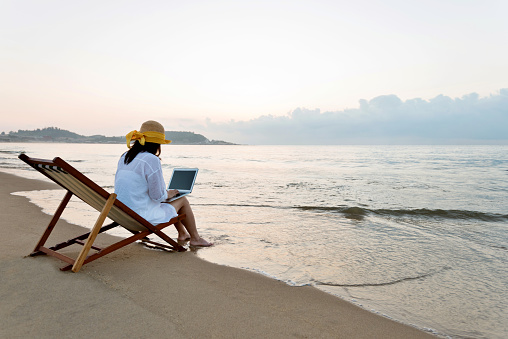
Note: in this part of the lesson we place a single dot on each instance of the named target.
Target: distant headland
(55, 134)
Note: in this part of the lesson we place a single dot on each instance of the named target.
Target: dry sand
(138, 293)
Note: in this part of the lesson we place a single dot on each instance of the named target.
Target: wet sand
(138, 293)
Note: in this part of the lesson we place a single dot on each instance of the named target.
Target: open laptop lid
(183, 179)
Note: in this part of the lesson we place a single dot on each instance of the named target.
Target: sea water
(415, 233)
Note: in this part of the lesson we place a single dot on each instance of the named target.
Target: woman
(139, 183)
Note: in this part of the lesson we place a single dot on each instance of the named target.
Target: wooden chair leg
(53, 221)
(169, 240)
(93, 234)
(111, 248)
(137, 236)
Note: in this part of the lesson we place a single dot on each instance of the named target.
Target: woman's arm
(156, 185)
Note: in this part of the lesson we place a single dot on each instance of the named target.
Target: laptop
(182, 180)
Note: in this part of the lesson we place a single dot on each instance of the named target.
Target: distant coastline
(57, 135)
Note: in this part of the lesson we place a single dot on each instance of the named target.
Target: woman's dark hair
(137, 148)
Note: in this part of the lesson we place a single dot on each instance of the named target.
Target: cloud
(382, 120)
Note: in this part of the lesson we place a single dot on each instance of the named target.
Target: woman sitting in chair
(139, 183)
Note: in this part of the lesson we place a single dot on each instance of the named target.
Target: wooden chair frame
(106, 203)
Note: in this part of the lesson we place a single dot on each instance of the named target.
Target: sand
(138, 293)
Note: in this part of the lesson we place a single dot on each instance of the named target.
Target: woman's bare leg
(183, 235)
(182, 205)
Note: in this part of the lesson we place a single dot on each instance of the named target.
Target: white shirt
(140, 185)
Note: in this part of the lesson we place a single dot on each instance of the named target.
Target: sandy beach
(138, 293)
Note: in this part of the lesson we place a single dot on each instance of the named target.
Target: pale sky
(103, 67)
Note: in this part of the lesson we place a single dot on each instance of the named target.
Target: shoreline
(137, 292)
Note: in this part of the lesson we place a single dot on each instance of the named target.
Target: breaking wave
(361, 212)
(422, 212)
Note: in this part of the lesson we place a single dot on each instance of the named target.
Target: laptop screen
(182, 179)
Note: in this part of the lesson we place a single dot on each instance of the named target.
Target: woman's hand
(172, 193)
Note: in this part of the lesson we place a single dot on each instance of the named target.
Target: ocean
(414, 233)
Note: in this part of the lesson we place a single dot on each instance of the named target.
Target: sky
(259, 71)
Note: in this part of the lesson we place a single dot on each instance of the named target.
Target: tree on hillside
(53, 132)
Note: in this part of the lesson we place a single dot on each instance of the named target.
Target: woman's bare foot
(200, 243)
(184, 238)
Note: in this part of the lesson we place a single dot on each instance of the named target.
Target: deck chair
(106, 203)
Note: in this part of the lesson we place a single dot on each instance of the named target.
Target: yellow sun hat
(150, 131)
